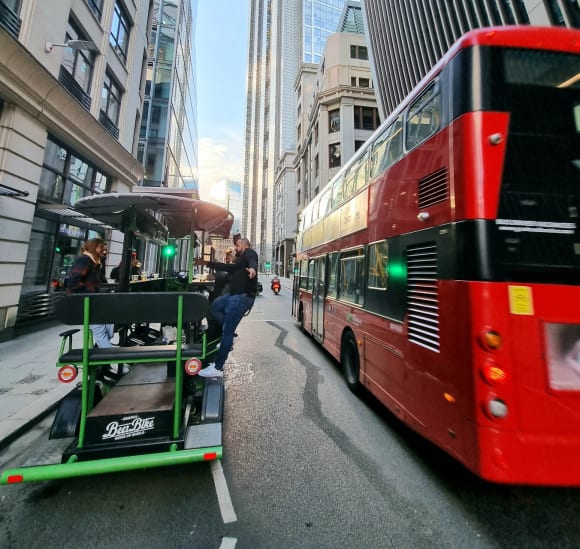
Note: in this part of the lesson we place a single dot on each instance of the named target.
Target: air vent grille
(434, 188)
(423, 296)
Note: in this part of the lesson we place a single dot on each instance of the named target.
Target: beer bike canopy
(157, 215)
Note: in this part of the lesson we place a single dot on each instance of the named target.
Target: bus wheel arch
(350, 361)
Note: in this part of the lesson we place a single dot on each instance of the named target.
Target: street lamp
(88, 45)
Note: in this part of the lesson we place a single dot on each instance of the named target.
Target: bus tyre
(349, 361)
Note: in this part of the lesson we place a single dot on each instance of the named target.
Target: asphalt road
(306, 464)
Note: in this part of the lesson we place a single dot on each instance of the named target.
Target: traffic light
(168, 250)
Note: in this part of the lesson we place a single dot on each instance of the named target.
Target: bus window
(304, 274)
(378, 265)
(352, 277)
(361, 173)
(325, 203)
(337, 191)
(332, 261)
(395, 143)
(310, 281)
(349, 181)
(388, 149)
(379, 149)
(423, 117)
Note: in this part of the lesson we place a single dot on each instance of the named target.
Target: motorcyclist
(275, 284)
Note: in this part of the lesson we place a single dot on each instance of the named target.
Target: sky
(221, 57)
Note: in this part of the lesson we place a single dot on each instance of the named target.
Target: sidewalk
(29, 387)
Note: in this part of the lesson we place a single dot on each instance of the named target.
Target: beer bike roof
(157, 214)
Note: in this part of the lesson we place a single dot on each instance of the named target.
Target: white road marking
(223, 494)
(228, 543)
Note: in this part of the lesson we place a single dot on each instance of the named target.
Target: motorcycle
(276, 286)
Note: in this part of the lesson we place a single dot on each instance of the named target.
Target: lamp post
(74, 44)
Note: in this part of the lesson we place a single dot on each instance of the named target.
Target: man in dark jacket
(230, 308)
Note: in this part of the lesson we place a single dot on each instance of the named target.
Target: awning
(65, 214)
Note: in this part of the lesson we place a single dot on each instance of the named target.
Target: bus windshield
(538, 230)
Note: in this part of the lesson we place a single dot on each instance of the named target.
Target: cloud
(219, 159)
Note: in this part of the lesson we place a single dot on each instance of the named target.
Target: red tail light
(68, 373)
(493, 374)
(192, 366)
(210, 456)
(14, 479)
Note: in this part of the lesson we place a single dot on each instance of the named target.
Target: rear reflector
(192, 366)
(209, 456)
(68, 373)
(14, 479)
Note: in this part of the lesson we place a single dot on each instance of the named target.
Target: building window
(353, 81)
(96, 7)
(119, 37)
(78, 63)
(316, 166)
(358, 145)
(366, 118)
(359, 52)
(111, 99)
(334, 155)
(364, 83)
(66, 177)
(334, 120)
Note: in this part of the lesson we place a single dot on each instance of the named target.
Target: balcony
(9, 21)
(72, 86)
(108, 124)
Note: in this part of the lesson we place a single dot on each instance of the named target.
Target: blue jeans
(102, 335)
(229, 310)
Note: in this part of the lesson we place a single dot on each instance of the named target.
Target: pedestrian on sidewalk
(85, 278)
(230, 308)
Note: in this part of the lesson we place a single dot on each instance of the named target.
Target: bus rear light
(496, 408)
(491, 340)
(192, 366)
(15, 479)
(494, 374)
(68, 373)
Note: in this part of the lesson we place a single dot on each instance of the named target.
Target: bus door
(318, 292)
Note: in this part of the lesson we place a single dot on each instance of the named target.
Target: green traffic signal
(168, 250)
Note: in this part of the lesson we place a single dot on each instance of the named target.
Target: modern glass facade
(281, 36)
(168, 134)
(320, 18)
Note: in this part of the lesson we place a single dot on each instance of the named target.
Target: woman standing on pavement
(85, 278)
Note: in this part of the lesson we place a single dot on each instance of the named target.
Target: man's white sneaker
(211, 371)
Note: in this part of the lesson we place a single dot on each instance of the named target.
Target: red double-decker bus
(441, 265)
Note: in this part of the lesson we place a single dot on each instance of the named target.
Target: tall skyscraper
(407, 37)
(168, 134)
(281, 36)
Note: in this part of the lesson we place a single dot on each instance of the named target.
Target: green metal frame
(75, 468)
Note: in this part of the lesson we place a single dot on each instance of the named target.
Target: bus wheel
(301, 319)
(349, 361)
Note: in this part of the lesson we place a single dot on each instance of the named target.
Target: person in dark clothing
(85, 278)
(230, 308)
(222, 278)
